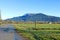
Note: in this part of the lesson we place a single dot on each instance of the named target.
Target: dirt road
(7, 32)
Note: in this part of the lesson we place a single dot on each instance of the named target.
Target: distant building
(50, 22)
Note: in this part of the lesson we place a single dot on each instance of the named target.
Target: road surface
(7, 32)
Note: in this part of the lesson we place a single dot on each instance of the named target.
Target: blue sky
(13, 8)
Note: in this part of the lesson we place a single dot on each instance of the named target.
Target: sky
(15, 8)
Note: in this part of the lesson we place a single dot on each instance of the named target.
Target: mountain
(36, 17)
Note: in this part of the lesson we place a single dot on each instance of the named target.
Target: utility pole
(35, 24)
(0, 17)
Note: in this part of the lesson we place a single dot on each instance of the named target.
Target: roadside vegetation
(38, 31)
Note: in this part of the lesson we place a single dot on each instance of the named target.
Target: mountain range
(35, 17)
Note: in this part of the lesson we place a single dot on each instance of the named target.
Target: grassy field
(40, 32)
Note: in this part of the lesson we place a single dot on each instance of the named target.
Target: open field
(30, 26)
(40, 32)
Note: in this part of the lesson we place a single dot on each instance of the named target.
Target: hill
(36, 17)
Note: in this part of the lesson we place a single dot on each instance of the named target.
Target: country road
(7, 32)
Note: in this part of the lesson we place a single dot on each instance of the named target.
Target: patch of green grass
(39, 25)
(47, 35)
(27, 31)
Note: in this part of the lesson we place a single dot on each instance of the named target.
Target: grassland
(40, 32)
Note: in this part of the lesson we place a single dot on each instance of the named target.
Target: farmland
(39, 31)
